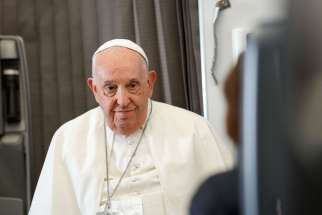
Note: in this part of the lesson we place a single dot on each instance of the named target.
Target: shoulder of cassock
(80, 127)
(181, 122)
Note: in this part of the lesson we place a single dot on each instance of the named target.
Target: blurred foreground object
(282, 115)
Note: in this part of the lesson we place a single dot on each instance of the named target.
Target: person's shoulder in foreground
(217, 195)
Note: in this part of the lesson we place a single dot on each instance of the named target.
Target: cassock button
(136, 166)
(134, 180)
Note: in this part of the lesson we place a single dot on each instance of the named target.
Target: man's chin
(124, 115)
(124, 127)
(125, 130)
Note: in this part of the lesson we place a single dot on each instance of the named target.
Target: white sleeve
(226, 149)
(54, 193)
(213, 152)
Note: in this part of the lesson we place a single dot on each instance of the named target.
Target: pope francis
(130, 155)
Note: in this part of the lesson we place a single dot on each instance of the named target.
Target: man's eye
(133, 87)
(111, 87)
(110, 90)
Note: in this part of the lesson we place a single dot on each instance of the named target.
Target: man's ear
(152, 77)
(91, 85)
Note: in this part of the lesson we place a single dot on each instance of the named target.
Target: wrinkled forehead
(119, 60)
(117, 56)
(119, 51)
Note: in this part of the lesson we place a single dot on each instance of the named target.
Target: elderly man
(130, 155)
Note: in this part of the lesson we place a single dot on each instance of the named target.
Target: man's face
(122, 86)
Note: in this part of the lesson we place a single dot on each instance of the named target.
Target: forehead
(119, 62)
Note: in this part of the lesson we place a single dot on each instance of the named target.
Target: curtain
(61, 35)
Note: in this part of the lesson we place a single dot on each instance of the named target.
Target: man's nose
(122, 97)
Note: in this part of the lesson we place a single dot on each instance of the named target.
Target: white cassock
(178, 151)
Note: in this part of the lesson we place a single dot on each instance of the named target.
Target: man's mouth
(123, 111)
